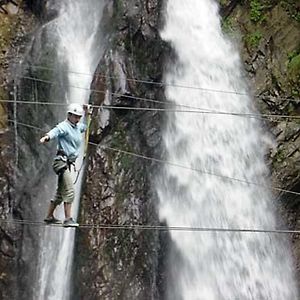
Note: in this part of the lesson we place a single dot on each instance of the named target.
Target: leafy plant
(227, 25)
(224, 2)
(256, 11)
(253, 39)
(292, 7)
(292, 54)
(294, 67)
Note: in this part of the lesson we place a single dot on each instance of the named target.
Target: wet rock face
(118, 263)
(270, 36)
(8, 236)
(45, 10)
(23, 167)
(15, 25)
(124, 264)
(118, 186)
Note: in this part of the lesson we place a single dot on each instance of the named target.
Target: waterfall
(76, 30)
(218, 265)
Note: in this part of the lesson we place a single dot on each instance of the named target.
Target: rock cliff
(15, 24)
(128, 264)
(123, 264)
(269, 34)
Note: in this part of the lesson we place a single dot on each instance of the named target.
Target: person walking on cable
(69, 135)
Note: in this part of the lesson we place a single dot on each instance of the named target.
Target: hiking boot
(52, 220)
(70, 223)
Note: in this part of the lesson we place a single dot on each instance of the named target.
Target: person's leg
(68, 209)
(57, 199)
(68, 198)
(67, 193)
(51, 210)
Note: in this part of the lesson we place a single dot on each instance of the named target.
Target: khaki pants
(65, 186)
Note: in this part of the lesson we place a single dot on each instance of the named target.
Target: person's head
(75, 112)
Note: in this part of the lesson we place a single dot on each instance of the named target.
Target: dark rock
(130, 264)
(228, 7)
(123, 263)
(45, 10)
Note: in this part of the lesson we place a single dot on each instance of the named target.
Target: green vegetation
(224, 2)
(294, 72)
(118, 16)
(280, 155)
(256, 11)
(126, 161)
(294, 63)
(227, 25)
(292, 8)
(292, 54)
(3, 114)
(119, 6)
(296, 16)
(119, 137)
(253, 39)
(295, 93)
(7, 25)
(119, 141)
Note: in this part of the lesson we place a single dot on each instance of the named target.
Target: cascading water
(217, 265)
(76, 29)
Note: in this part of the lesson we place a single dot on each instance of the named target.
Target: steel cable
(175, 164)
(151, 227)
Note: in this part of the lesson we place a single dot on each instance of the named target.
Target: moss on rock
(294, 68)
(253, 39)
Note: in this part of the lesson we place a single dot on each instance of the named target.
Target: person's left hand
(87, 108)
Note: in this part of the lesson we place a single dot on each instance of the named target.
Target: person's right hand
(44, 139)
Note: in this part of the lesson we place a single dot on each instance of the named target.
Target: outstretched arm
(58, 130)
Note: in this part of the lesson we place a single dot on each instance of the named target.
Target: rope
(87, 134)
(195, 169)
(198, 111)
(128, 96)
(86, 142)
(160, 83)
(178, 165)
(154, 227)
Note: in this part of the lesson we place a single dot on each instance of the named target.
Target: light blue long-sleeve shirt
(69, 137)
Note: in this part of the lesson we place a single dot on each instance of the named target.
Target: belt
(62, 154)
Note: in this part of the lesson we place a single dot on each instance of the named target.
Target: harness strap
(62, 155)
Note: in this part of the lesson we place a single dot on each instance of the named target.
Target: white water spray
(77, 28)
(216, 266)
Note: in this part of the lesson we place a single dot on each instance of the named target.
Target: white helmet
(75, 109)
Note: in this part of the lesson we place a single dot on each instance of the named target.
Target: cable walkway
(155, 227)
(195, 110)
(189, 109)
(113, 93)
(156, 160)
(151, 227)
(160, 83)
